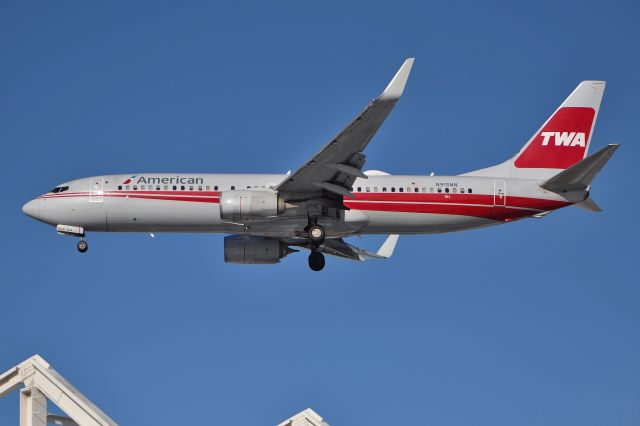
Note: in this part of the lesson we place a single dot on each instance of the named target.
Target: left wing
(339, 248)
(331, 172)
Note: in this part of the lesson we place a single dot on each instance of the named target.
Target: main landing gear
(316, 238)
(82, 245)
(316, 235)
(316, 260)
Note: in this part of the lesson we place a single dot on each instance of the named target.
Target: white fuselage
(383, 204)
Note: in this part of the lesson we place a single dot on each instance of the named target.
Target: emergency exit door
(96, 190)
(499, 193)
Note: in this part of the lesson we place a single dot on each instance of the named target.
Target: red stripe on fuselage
(475, 205)
(482, 199)
(193, 196)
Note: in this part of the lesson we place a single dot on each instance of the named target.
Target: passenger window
(462, 190)
(401, 189)
(127, 187)
(157, 187)
(142, 187)
(368, 189)
(119, 187)
(454, 190)
(408, 189)
(375, 189)
(393, 189)
(424, 189)
(135, 187)
(215, 188)
(469, 191)
(207, 187)
(431, 190)
(190, 187)
(384, 189)
(199, 187)
(446, 190)
(415, 190)
(166, 187)
(359, 189)
(233, 187)
(182, 188)
(439, 190)
(175, 187)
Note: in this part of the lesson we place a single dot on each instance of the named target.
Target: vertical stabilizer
(562, 141)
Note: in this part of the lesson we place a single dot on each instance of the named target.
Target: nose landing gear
(75, 231)
(82, 245)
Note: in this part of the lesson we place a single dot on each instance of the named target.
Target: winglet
(386, 250)
(396, 86)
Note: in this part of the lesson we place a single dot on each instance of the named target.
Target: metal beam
(33, 407)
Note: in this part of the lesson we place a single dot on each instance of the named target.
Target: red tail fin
(562, 141)
(564, 138)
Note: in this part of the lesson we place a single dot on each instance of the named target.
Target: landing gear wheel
(82, 246)
(316, 235)
(316, 261)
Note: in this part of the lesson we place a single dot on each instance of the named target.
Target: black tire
(316, 234)
(82, 246)
(316, 261)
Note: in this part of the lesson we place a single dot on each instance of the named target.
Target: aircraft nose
(32, 209)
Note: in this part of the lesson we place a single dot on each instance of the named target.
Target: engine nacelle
(250, 249)
(246, 205)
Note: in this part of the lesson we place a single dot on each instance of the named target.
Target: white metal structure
(307, 417)
(42, 384)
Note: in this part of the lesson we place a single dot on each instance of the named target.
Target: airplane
(330, 197)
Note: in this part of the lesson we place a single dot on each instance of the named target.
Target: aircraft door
(96, 189)
(499, 193)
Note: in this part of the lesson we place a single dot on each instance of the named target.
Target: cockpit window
(59, 189)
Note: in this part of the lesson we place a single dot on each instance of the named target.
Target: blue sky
(531, 323)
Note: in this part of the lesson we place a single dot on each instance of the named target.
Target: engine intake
(246, 205)
(255, 250)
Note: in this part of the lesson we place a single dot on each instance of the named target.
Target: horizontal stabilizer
(590, 205)
(580, 175)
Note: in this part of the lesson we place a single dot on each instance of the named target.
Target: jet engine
(246, 205)
(250, 249)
